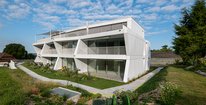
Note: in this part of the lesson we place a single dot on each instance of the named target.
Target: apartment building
(113, 50)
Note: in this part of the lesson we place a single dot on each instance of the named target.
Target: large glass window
(70, 44)
(69, 63)
(106, 46)
(101, 65)
(107, 68)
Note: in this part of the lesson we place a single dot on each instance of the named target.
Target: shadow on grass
(153, 83)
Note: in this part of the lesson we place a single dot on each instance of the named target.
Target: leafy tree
(31, 56)
(17, 50)
(164, 48)
(190, 42)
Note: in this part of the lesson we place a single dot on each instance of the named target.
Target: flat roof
(114, 21)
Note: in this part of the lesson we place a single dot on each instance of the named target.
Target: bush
(133, 96)
(58, 100)
(35, 90)
(69, 102)
(45, 93)
(169, 93)
(202, 61)
(97, 96)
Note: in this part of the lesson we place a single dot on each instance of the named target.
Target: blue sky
(20, 20)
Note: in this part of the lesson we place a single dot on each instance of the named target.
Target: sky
(21, 20)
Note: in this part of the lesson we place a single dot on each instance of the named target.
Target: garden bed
(95, 82)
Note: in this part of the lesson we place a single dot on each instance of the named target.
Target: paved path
(105, 92)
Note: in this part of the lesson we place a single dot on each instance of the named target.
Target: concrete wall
(163, 61)
(136, 28)
(137, 48)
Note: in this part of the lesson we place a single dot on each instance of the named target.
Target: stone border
(105, 92)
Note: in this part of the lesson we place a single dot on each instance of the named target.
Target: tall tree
(17, 50)
(190, 42)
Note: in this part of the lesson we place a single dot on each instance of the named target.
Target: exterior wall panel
(98, 51)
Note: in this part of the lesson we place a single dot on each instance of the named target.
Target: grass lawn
(99, 83)
(18, 88)
(192, 85)
(10, 89)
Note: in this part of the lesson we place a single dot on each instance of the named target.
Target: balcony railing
(44, 39)
(91, 31)
(119, 50)
(50, 51)
(68, 51)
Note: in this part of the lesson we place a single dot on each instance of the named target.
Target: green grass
(192, 85)
(10, 91)
(16, 88)
(99, 83)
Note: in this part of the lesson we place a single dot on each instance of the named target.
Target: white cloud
(160, 2)
(100, 17)
(53, 9)
(52, 13)
(174, 1)
(17, 11)
(160, 32)
(152, 16)
(154, 9)
(3, 3)
(46, 17)
(79, 3)
(47, 20)
(47, 25)
(113, 9)
(58, 1)
(143, 1)
(76, 22)
(170, 8)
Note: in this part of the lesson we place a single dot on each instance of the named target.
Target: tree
(190, 40)
(164, 48)
(31, 56)
(16, 50)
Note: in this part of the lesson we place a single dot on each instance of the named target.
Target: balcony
(43, 40)
(68, 50)
(117, 50)
(92, 30)
(50, 51)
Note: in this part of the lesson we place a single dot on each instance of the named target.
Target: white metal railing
(119, 50)
(81, 33)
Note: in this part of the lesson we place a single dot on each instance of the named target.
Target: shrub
(47, 66)
(58, 100)
(45, 93)
(169, 93)
(35, 98)
(133, 96)
(35, 91)
(202, 61)
(69, 102)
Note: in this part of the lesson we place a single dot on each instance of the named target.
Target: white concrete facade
(114, 50)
